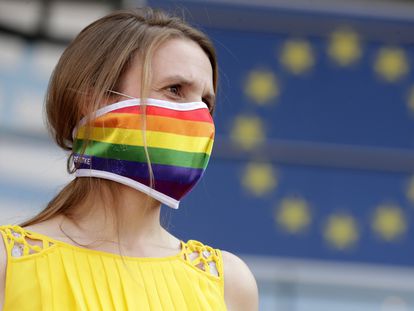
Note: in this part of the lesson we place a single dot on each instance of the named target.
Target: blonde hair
(93, 63)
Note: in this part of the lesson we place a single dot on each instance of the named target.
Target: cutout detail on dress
(202, 256)
(21, 243)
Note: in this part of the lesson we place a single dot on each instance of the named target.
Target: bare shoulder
(3, 266)
(240, 287)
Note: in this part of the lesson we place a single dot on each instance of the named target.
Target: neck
(134, 220)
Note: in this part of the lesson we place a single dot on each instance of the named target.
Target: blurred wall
(33, 35)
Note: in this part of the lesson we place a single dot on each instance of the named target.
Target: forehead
(184, 57)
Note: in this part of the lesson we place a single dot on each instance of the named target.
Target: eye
(174, 89)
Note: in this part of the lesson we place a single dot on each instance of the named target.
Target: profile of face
(178, 132)
(181, 72)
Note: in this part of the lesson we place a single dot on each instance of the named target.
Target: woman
(131, 97)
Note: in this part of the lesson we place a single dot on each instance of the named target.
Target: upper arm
(240, 288)
(3, 265)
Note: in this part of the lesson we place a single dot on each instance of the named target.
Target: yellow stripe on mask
(154, 139)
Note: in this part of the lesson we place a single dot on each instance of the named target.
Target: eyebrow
(179, 79)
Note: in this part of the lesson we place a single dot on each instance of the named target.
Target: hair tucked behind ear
(93, 63)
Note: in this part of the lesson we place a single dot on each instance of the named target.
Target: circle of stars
(262, 87)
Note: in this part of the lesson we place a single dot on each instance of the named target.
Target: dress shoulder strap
(204, 257)
(21, 243)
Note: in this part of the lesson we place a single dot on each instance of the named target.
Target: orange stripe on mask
(155, 123)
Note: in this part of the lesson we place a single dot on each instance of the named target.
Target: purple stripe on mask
(172, 189)
(135, 170)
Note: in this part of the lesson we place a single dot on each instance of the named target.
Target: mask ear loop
(121, 94)
(70, 164)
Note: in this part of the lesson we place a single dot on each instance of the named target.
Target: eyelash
(175, 86)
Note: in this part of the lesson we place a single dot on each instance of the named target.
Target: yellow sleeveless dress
(61, 276)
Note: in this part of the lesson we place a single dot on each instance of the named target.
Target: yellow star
(248, 132)
(344, 47)
(293, 215)
(391, 64)
(341, 231)
(259, 178)
(389, 222)
(297, 56)
(410, 190)
(262, 86)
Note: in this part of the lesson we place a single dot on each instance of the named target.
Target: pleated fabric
(61, 276)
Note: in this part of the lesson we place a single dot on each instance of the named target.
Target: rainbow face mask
(179, 138)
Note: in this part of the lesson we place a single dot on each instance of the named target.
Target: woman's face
(181, 72)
